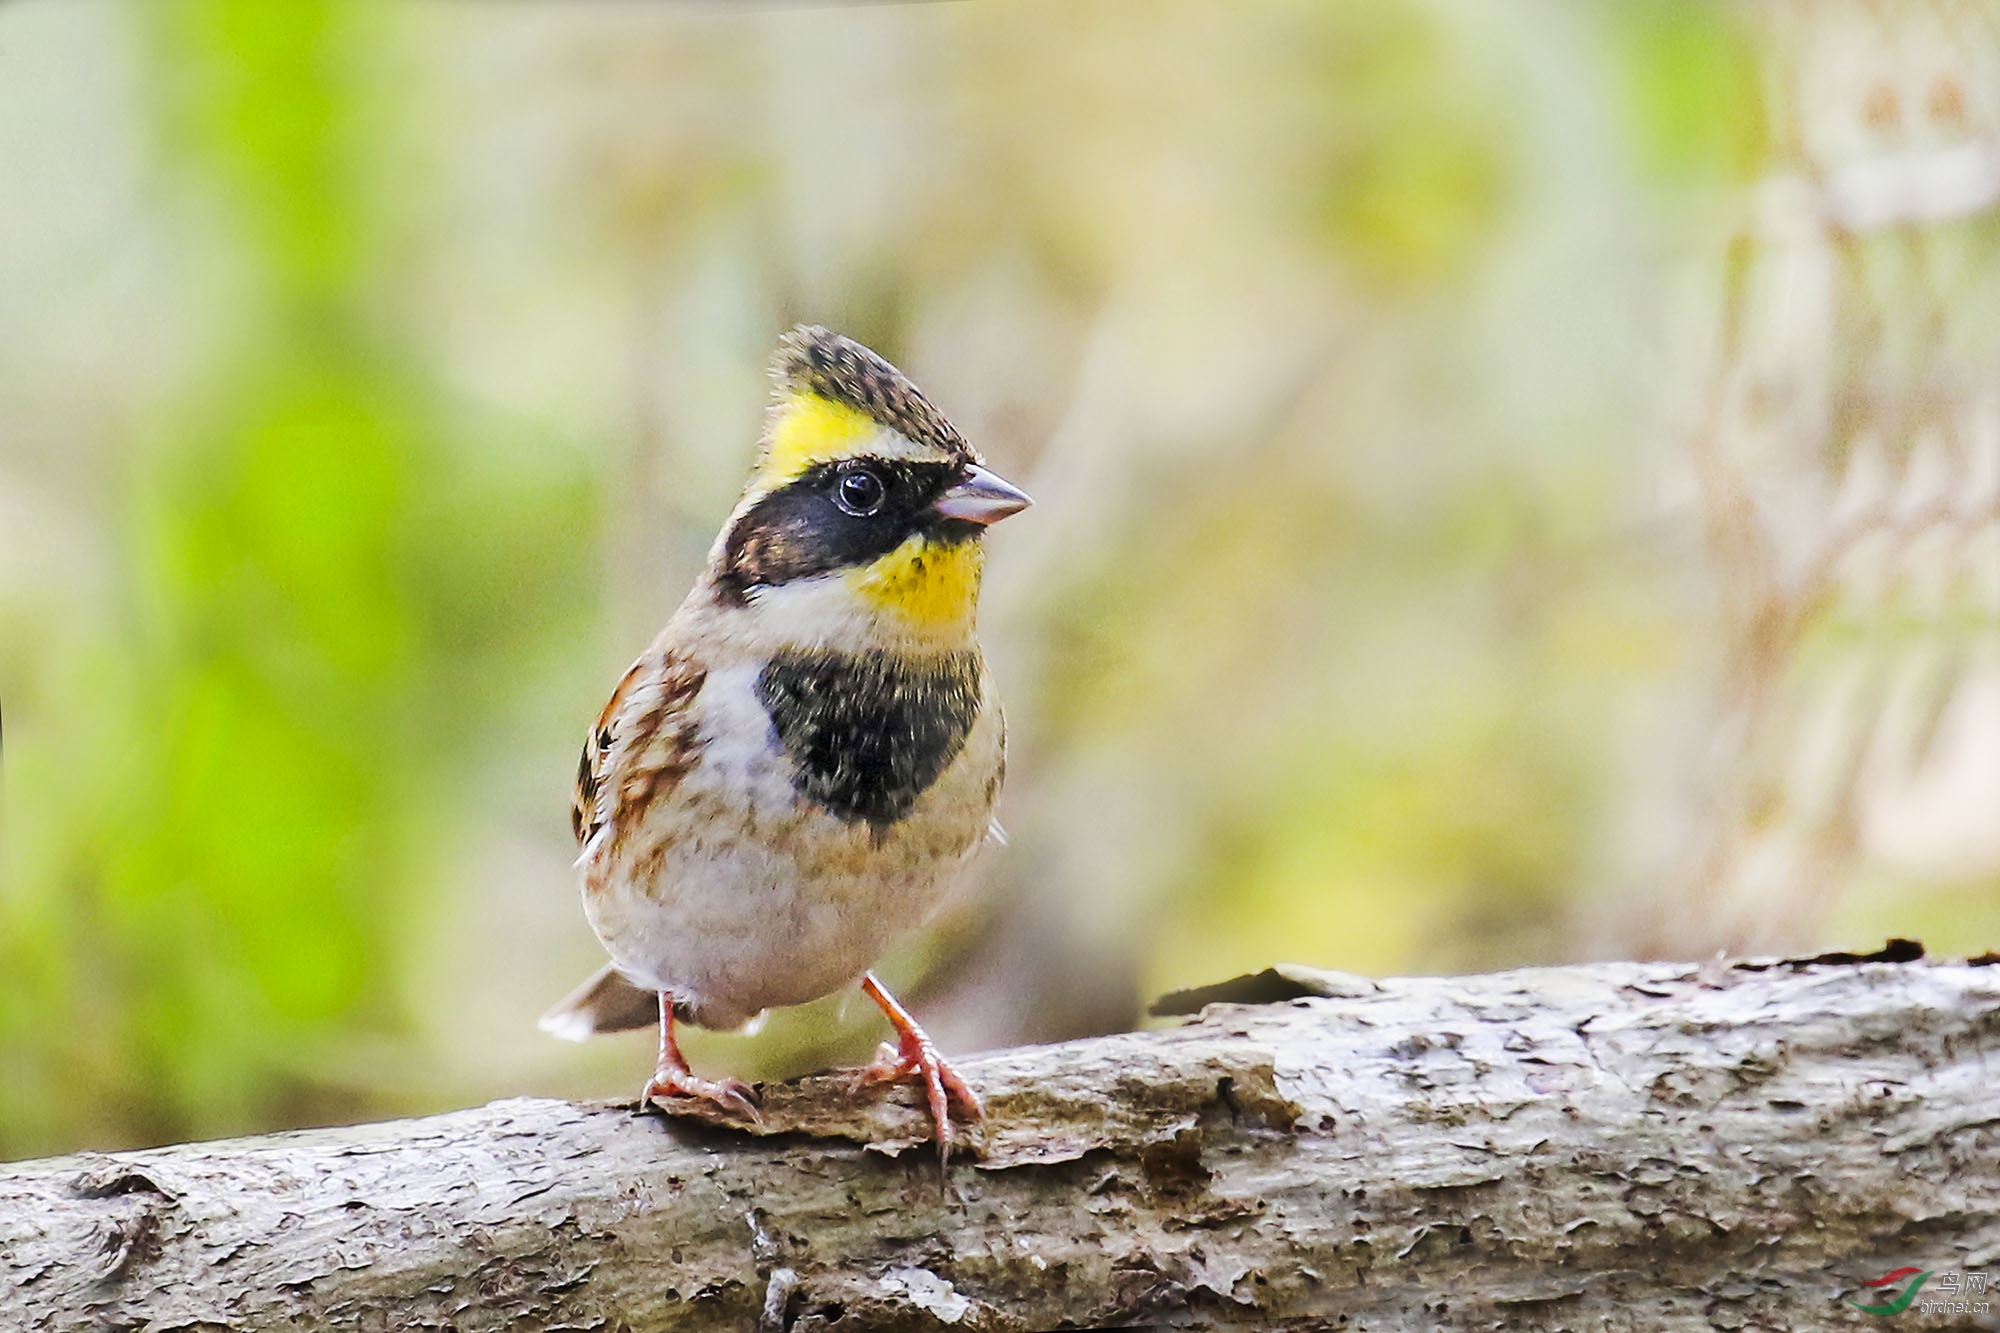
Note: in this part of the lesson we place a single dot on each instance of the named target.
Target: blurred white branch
(1848, 465)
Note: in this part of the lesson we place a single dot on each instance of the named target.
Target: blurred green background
(1516, 485)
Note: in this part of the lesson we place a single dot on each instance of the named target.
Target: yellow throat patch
(810, 430)
(933, 585)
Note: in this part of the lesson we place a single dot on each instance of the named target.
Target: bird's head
(863, 490)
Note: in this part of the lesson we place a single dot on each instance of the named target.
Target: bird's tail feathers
(605, 1003)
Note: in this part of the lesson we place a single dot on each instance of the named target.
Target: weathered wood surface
(1607, 1147)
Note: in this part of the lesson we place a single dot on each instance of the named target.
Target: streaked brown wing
(644, 742)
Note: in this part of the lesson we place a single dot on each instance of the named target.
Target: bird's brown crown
(836, 399)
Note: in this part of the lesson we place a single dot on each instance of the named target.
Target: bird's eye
(860, 492)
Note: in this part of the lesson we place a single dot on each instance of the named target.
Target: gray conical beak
(981, 497)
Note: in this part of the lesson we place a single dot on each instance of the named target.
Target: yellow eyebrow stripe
(810, 430)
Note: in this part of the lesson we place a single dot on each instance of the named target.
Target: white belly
(737, 895)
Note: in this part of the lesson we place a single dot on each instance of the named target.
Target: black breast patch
(867, 735)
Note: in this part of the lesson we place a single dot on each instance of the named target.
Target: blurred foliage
(333, 571)
(373, 378)
(1408, 158)
(1693, 87)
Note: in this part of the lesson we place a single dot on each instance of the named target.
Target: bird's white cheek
(827, 612)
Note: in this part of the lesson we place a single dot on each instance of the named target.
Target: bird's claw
(916, 1059)
(731, 1094)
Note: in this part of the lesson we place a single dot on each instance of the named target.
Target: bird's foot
(731, 1094)
(915, 1059)
(914, 1056)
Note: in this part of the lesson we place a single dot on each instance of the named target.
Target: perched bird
(797, 769)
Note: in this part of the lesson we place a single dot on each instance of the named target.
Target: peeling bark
(1604, 1147)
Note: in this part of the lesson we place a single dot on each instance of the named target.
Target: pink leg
(916, 1057)
(673, 1078)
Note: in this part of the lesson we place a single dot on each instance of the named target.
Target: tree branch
(1614, 1146)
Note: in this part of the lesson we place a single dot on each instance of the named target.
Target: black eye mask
(834, 517)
